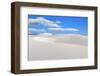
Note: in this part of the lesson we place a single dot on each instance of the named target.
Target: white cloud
(58, 22)
(31, 30)
(45, 34)
(44, 21)
(64, 29)
(51, 25)
(35, 31)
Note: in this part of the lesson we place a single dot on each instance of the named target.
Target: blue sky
(57, 24)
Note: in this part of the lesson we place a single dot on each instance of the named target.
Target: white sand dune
(41, 48)
(72, 39)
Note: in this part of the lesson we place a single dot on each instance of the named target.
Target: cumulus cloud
(53, 28)
(64, 29)
(44, 21)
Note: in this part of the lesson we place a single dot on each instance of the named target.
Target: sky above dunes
(57, 25)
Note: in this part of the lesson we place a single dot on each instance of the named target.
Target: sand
(44, 49)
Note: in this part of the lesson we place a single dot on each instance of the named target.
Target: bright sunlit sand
(43, 39)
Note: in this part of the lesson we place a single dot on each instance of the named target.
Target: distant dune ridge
(73, 39)
(70, 46)
(69, 39)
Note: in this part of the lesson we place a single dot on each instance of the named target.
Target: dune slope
(46, 50)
